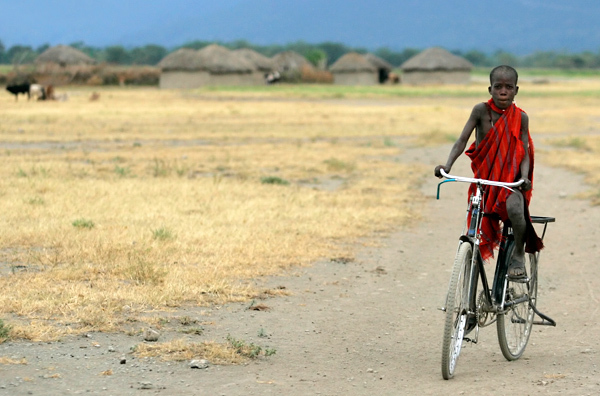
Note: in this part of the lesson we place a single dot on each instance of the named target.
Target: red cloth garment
(498, 157)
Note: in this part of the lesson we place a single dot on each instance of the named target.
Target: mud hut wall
(436, 77)
(356, 78)
(183, 79)
(233, 79)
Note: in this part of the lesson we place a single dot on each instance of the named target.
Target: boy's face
(503, 89)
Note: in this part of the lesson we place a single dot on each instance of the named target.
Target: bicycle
(470, 304)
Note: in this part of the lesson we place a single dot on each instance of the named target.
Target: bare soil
(367, 325)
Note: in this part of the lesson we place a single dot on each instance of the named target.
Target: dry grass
(9, 361)
(147, 200)
(181, 350)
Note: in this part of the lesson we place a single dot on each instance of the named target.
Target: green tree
(93, 52)
(395, 58)
(2, 52)
(117, 54)
(334, 51)
(42, 48)
(505, 58)
(19, 54)
(316, 56)
(147, 55)
(477, 58)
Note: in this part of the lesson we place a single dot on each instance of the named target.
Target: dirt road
(370, 326)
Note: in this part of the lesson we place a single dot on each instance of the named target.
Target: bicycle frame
(472, 233)
(494, 297)
(510, 302)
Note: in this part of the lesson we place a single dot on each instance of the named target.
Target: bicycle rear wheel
(514, 324)
(457, 308)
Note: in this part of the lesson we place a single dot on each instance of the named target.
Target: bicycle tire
(515, 323)
(457, 307)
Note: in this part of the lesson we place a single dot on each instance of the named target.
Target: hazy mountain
(519, 26)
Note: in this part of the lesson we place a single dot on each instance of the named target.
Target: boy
(502, 151)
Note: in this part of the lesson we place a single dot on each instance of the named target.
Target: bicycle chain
(480, 314)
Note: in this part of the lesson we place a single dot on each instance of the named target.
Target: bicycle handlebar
(481, 181)
(462, 179)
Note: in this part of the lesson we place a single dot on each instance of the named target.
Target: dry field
(118, 210)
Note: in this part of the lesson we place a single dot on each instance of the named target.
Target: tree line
(327, 52)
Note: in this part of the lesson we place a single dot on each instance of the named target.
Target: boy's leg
(515, 208)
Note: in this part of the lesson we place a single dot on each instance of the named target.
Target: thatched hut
(293, 67)
(212, 65)
(63, 55)
(354, 69)
(436, 66)
(383, 67)
(262, 63)
(62, 65)
(182, 69)
(290, 61)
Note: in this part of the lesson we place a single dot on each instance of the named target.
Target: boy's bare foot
(516, 268)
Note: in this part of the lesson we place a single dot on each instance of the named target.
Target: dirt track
(370, 326)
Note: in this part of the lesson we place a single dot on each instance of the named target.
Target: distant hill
(518, 26)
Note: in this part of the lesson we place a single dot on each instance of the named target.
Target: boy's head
(503, 86)
(506, 70)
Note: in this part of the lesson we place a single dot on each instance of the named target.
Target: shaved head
(506, 70)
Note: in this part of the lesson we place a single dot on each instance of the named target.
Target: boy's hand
(437, 171)
(526, 186)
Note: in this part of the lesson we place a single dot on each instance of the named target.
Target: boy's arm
(459, 146)
(526, 162)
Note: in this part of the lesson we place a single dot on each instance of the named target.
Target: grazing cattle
(16, 89)
(49, 93)
(37, 92)
(393, 78)
(272, 78)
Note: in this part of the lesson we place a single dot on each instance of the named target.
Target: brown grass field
(119, 210)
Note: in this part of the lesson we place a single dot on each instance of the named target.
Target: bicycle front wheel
(457, 308)
(514, 324)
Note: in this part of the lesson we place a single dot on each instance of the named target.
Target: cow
(393, 78)
(16, 89)
(37, 92)
(272, 78)
(49, 93)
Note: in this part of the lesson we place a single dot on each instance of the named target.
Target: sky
(517, 26)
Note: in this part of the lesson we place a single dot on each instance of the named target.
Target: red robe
(498, 157)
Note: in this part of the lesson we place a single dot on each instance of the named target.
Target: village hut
(63, 55)
(262, 63)
(62, 65)
(182, 69)
(354, 69)
(384, 68)
(290, 61)
(436, 66)
(212, 65)
(264, 66)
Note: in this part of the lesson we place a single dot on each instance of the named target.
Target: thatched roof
(64, 55)
(213, 59)
(290, 60)
(261, 62)
(220, 60)
(185, 59)
(435, 59)
(352, 62)
(378, 62)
